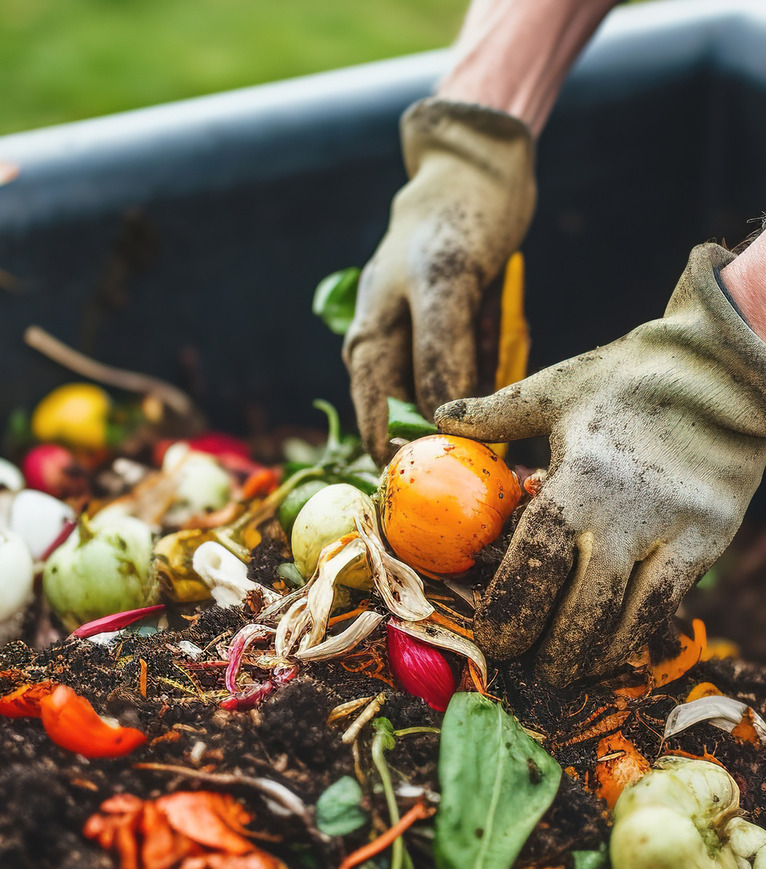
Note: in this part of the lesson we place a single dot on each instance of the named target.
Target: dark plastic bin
(186, 240)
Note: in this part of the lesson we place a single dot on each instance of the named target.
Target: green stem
(398, 853)
(409, 731)
(333, 424)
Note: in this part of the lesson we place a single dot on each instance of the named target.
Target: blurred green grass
(62, 60)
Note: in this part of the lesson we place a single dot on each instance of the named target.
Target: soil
(47, 793)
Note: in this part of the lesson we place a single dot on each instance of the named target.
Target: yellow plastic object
(513, 348)
(75, 414)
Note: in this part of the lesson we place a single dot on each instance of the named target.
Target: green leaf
(384, 731)
(335, 300)
(496, 783)
(591, 859)
(339, 810)
(405, 421)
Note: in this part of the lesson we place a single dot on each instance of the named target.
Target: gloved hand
(657, 446)
(452, 228)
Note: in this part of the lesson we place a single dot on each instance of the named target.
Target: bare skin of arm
(745, 279)
(513, 55)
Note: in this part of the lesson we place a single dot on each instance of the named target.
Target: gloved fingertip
(452, 411)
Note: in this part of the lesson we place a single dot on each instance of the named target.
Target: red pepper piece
(71, 722)
(24, 702)
(262, 482)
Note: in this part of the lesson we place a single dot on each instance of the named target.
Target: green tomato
(294, 502)
(102, 568)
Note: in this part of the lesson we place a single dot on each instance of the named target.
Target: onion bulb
(102, 568)
(443, 499)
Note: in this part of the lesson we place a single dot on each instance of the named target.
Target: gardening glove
(657, 446)
(452, 228)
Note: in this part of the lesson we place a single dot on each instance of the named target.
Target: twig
(417, 813)
(131, 381)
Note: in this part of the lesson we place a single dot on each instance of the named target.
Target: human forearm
(745, 279)
(513, 55)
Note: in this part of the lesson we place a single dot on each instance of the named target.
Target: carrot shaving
(703, 689)
(692, 649)
(745, 729)
(704, 756)
(417, 813)
(442, 620)
(142, 676)
(349, 615)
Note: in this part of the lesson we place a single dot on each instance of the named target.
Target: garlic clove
(10, 476)
(38, 519)
(17, 575)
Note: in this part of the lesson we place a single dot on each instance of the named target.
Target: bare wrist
(745, 279)
(513, 55)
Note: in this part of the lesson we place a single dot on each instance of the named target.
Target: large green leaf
(496, 783)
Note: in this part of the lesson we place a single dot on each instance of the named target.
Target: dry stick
(417, 813)
(131, 381)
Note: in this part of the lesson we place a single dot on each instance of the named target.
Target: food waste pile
(210, 662)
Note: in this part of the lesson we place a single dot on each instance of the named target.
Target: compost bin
(185, 241)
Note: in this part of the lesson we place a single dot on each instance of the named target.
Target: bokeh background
(64, 60)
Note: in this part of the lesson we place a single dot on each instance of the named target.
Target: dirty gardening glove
(657, 446)
(452, 228)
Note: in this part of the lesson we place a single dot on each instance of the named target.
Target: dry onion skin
(443, 499)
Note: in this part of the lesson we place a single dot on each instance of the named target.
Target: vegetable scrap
(284, 655)
(188, 829)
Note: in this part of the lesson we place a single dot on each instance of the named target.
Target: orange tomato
(444, 498)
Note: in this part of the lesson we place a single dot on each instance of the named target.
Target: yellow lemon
(75, 414)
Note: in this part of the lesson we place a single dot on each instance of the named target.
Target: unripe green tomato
(102, 568)
(295, 501)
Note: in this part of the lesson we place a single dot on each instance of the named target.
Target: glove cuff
(711, 325)
(494, 141)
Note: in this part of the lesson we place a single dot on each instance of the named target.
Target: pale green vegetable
(684, 813)
(326, 517)
(102, 568)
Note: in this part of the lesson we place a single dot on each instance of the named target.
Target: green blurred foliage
(62, 60)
